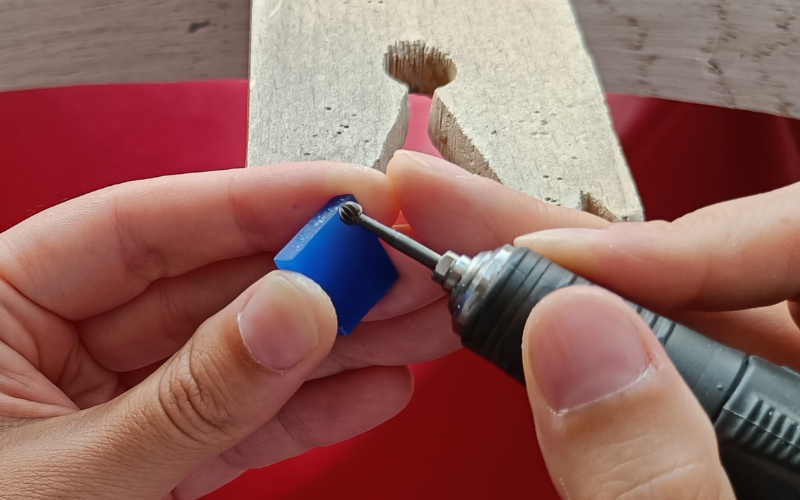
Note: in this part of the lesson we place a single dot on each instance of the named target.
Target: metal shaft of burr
(351, 213)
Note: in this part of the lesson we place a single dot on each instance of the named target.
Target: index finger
(95, 252)
(739, 254)
(451, 209)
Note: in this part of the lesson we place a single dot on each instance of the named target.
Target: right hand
(613, 416)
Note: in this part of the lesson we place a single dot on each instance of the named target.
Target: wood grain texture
(49, 43)
(735, 53)
(524, 105)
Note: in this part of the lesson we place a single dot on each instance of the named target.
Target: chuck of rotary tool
(467, 279)
(448, 269)
(351, 214)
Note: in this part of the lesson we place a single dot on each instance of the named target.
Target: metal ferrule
(449, 270)
(468, 280)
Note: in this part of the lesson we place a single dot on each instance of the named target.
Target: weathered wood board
(735, 53)
(49, 43)
(524, 105)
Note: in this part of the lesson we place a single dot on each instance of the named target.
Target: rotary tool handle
(495, 331)
(758, 434)
(755, 405)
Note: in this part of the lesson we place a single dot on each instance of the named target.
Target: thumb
(234, 374)
(613, 417)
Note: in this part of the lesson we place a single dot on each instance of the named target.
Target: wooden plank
(524, 105)
(49, 43)
(735, 53)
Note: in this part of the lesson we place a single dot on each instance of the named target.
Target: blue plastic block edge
(348, 262)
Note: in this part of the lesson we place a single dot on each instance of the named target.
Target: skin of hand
(150, 350)
(145, 354)
(613, 417)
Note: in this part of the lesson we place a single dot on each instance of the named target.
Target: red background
(467, 432)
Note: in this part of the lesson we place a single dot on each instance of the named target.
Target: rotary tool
(754, 404)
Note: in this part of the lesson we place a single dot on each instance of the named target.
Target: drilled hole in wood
(422, 68)
(425, 69)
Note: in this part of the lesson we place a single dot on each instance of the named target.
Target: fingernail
(585, 347)
(434, 163)
(551, 237)
(278, 324)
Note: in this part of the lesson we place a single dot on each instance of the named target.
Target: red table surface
(468, 432)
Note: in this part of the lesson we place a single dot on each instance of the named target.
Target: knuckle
(247, 221)
(195, 402)
(688, 482)
(694, 480)
(297, 429)
(140, 258)
(177, 320)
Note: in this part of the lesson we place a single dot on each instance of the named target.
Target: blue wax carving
(348, 262)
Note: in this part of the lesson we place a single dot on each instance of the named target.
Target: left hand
(122, 369)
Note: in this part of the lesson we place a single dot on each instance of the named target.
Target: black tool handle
(755, 405)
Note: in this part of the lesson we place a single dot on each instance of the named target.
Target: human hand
(216, 240)
(613, 416)
(737, 257)
(97, 292)
(124, 372)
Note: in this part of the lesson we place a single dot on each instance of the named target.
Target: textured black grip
(495, 332)
(755, 405)
(710, 369)
(759, 432)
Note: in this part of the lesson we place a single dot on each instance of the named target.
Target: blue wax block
(348, 262)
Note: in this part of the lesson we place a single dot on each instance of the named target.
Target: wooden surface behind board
(741, 54)
(50, 43)
(524, 105)
(734, 53)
